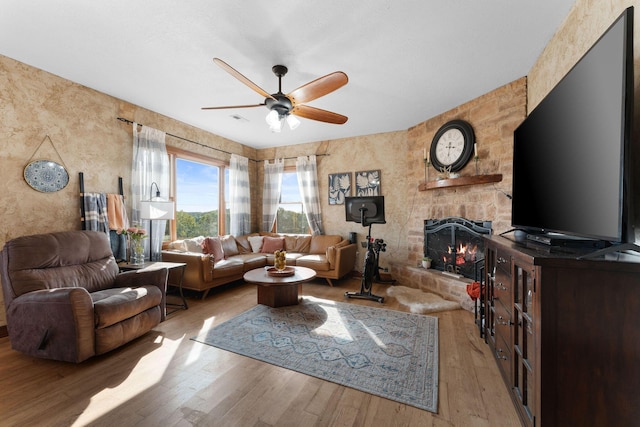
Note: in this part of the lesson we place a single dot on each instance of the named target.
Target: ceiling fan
(282, 107)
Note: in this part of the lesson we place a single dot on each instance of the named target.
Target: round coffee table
(279, 291)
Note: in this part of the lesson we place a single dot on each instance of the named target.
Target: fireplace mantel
(459, 182)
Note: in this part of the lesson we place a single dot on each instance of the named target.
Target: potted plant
(426, 262)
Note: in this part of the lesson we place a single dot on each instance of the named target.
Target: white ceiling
(406, 60)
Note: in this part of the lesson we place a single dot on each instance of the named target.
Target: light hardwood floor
(166, 379)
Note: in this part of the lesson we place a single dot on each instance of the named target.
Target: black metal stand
(370, 270)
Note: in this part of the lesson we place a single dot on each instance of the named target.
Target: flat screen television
(571, 160)
(366, 210)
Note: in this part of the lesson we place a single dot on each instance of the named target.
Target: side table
(149, 266)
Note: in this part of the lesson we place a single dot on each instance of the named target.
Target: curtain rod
(207, 146)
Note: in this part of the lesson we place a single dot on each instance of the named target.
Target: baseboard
(4, 332)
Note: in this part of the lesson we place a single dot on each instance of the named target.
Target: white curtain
(307, 172)
(150, 164)
(271, 192)
(239, 196)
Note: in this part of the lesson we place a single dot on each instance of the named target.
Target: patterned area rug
(387, 353)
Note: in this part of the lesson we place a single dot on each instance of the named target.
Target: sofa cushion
(320, 243)
(297, 243)
(251, 260)
(318, 262)
(272, 244)
(242, 242)
(229, 245)
(213, 246)
(117, 304)
(256, 243)
(227, 268)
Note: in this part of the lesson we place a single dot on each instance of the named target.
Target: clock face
(450, 147)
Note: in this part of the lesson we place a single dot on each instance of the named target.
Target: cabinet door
(490, 274)
(524, 345)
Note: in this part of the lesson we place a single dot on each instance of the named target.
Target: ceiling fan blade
(319, 115)
(229, 69)
(233, 106)
(319, 87)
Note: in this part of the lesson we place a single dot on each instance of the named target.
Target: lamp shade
(156, 209)
(292, 121)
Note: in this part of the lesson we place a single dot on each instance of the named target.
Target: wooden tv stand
(565, 333)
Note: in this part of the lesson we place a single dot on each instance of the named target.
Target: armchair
(66, 300)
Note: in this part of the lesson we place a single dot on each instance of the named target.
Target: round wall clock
(46, 176)
(452, 146)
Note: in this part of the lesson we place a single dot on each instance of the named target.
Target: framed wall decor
(368, 183)
(339, 187)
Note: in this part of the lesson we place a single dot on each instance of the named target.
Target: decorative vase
(280, 260)
(137, 254)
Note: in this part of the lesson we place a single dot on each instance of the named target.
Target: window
(200, 193)
(291, 217)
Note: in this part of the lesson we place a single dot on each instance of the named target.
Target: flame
(464, 253)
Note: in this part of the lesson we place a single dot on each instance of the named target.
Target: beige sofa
(331, 256)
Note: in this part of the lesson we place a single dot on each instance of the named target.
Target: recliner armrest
(53, 323)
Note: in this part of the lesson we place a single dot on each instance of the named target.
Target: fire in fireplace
(455, 245)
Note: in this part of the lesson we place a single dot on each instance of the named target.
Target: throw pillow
(255, 242)
(272, 244)
(213, 246)
(244, 247)
(195, 244)
(229, 245)
(178, 245)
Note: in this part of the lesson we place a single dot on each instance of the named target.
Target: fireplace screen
(455, 245)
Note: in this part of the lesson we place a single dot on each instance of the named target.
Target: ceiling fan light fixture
(292, 121)
(274, 121)
(272, 118)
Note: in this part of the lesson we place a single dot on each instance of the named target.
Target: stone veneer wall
(494, 116)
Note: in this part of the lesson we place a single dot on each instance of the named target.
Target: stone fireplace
(494, 116)
(456, 245)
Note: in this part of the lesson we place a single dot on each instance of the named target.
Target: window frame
(289, 170)
(176, 153)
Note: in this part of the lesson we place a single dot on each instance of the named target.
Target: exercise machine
(370, 210)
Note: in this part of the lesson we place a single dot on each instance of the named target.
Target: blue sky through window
(197, 186)
(290, 192)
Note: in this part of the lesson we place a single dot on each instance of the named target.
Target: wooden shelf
(459, 182)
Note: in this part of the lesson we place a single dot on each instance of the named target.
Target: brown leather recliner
(66, 300)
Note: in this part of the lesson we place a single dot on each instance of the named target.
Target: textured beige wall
(586, 22)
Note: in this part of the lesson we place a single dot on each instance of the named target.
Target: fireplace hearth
(455, 245)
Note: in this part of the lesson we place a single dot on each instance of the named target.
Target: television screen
(570, 160)
(365, 210)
